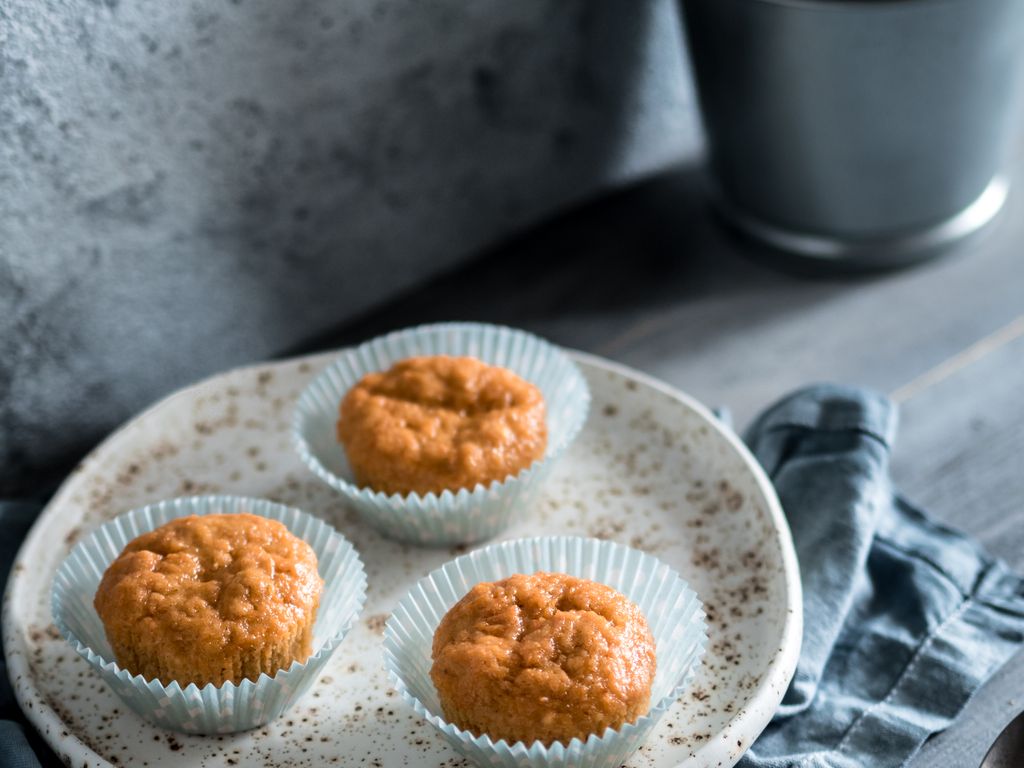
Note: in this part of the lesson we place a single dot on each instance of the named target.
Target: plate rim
(753, 717)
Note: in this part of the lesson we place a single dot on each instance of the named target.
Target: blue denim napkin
(904, 619)
(16, 751)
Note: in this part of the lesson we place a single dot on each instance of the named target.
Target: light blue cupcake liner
(467, 515)
(672, 609)
(210, 709)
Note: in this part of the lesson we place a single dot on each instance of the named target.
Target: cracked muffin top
(545, 657)
(211, 598)
(436, 423)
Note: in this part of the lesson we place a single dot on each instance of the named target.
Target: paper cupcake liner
(672, 609)
(210, 709)
(467, 515)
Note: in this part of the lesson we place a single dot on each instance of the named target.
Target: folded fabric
(15, 749)
(904, 619)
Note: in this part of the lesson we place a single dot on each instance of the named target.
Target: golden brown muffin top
(207, 582)
(543, 657)
(433, 423)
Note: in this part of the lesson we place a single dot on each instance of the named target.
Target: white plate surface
(652, 469)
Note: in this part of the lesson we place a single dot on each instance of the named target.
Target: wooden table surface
(649, 277)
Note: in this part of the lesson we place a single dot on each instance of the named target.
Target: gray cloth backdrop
(187, 186)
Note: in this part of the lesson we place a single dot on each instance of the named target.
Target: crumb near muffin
(543, 657)
(436, 423)
(211, 599)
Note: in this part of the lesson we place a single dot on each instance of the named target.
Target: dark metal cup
(867, 132)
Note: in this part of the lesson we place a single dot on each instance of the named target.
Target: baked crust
(545, 657)
(211, 599)
(436, 423)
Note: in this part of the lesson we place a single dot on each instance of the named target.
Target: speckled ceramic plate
(651, 469)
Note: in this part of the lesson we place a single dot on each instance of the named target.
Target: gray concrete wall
(188, 185)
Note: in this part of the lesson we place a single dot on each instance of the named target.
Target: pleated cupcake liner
(673, 612)
(467, 515)
(211, 709)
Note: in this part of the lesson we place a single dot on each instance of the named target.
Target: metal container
(870, 133)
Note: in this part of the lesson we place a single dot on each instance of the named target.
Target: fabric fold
(904, 618)
(826, 450)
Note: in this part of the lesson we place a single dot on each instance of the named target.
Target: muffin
(211, 599)
(435, 423)
(546, 657)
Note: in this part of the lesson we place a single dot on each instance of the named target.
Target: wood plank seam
(971, 354)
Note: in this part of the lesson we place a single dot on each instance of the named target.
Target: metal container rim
(850, 5)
